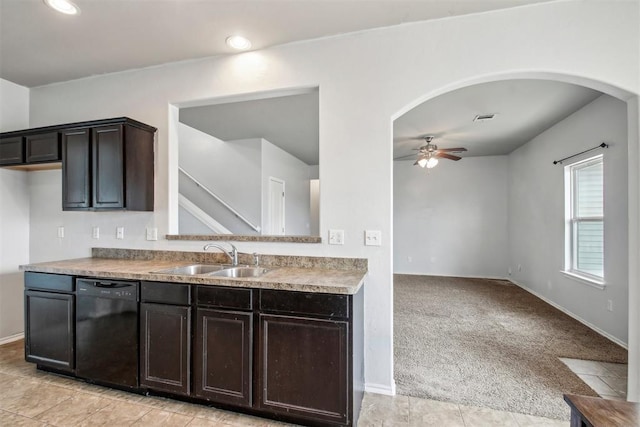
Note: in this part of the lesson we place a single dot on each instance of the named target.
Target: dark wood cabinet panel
(304, 367)
(49, 329)
(107, 167)
(165, 348)
(43, 147)
(223, 356)
(11, 151)
(76, 171)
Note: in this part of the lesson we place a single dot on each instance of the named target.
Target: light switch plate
(61, 232)
(373, 238)
(120, 233)
(336, 237)
(96, 232)
(152, 233)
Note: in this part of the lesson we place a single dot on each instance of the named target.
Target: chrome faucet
(232, 254)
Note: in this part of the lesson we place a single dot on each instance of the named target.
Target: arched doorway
(632, 141)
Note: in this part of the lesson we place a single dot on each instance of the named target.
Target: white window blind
(586, 221)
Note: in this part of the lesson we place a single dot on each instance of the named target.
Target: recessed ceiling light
(63, 6)
(238, 42)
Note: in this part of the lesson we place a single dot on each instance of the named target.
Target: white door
(276, 206)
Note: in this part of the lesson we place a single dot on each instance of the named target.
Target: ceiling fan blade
(404, 157)
(447, 156)
(452, 149)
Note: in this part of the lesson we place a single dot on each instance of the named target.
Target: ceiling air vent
(484, 117)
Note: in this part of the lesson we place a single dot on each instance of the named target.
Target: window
(584, 235)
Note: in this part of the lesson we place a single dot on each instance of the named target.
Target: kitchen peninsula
(286, 344)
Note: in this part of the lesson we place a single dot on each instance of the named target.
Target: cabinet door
(43, 148)
(165, 356)
(304, 367)
(223, 356)
(49, 329)
(108, 173)
(11, 151)
(76, 173)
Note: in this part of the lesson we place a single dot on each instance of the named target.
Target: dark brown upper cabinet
(11, 151)
(108, 167)
(43, 147)
(106, 164)
(30, 151)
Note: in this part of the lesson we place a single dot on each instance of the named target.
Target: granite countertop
(299, 279)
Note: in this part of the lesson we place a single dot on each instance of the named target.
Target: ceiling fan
(429, 154)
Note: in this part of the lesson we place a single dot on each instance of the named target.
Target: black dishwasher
(107, 332)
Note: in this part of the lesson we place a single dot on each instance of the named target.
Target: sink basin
(240, 272)
(192, 270)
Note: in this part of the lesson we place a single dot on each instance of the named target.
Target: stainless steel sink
(240, 272)
(192, 270)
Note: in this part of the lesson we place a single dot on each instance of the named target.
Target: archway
(633, 186)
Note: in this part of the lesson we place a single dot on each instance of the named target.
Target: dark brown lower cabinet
(304, 367)
(223, 356)
(165, 357)
(49, 329)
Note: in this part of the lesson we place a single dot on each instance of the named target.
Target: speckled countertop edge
(289, 278)
(245, 238)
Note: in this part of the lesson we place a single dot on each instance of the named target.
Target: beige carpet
(489, 343)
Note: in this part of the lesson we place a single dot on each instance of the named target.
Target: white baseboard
(573, 315)
(381, 389)
(11, 338)
(464, 276)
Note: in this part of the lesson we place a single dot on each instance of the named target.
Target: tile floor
(609, 380)
(29, 397)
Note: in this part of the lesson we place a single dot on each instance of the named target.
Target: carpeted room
(501, 216)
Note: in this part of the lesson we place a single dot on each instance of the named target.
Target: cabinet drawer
(11, 151)
(214, 296)
(304, 303)
(165, 293)
(43, 148)
(51, 282)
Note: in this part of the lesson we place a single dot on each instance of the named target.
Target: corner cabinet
(108, 167)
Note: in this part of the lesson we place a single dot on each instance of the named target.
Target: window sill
(585, 280)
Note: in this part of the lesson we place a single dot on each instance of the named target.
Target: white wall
(451, 220)
(14, 215)
(230, 169)
(367, 79)
(294, 172)
(536, 214)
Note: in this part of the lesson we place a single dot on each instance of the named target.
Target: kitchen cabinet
(30, 149)
(165, 337)
(305, 355)
(11, 151)
(107, 167)
(224, 345)
(42, 147)
(106, 164)
(49, 320)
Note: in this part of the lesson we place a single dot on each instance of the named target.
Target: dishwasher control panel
(107, 289)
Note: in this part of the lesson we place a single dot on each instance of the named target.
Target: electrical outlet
(509, 271)
(336, 237)
(120, 233)
(373, 238)
(96, 232)
(152, 233)
(609, 305)
(61, 232)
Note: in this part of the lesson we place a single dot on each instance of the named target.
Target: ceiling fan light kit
(429, 154)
